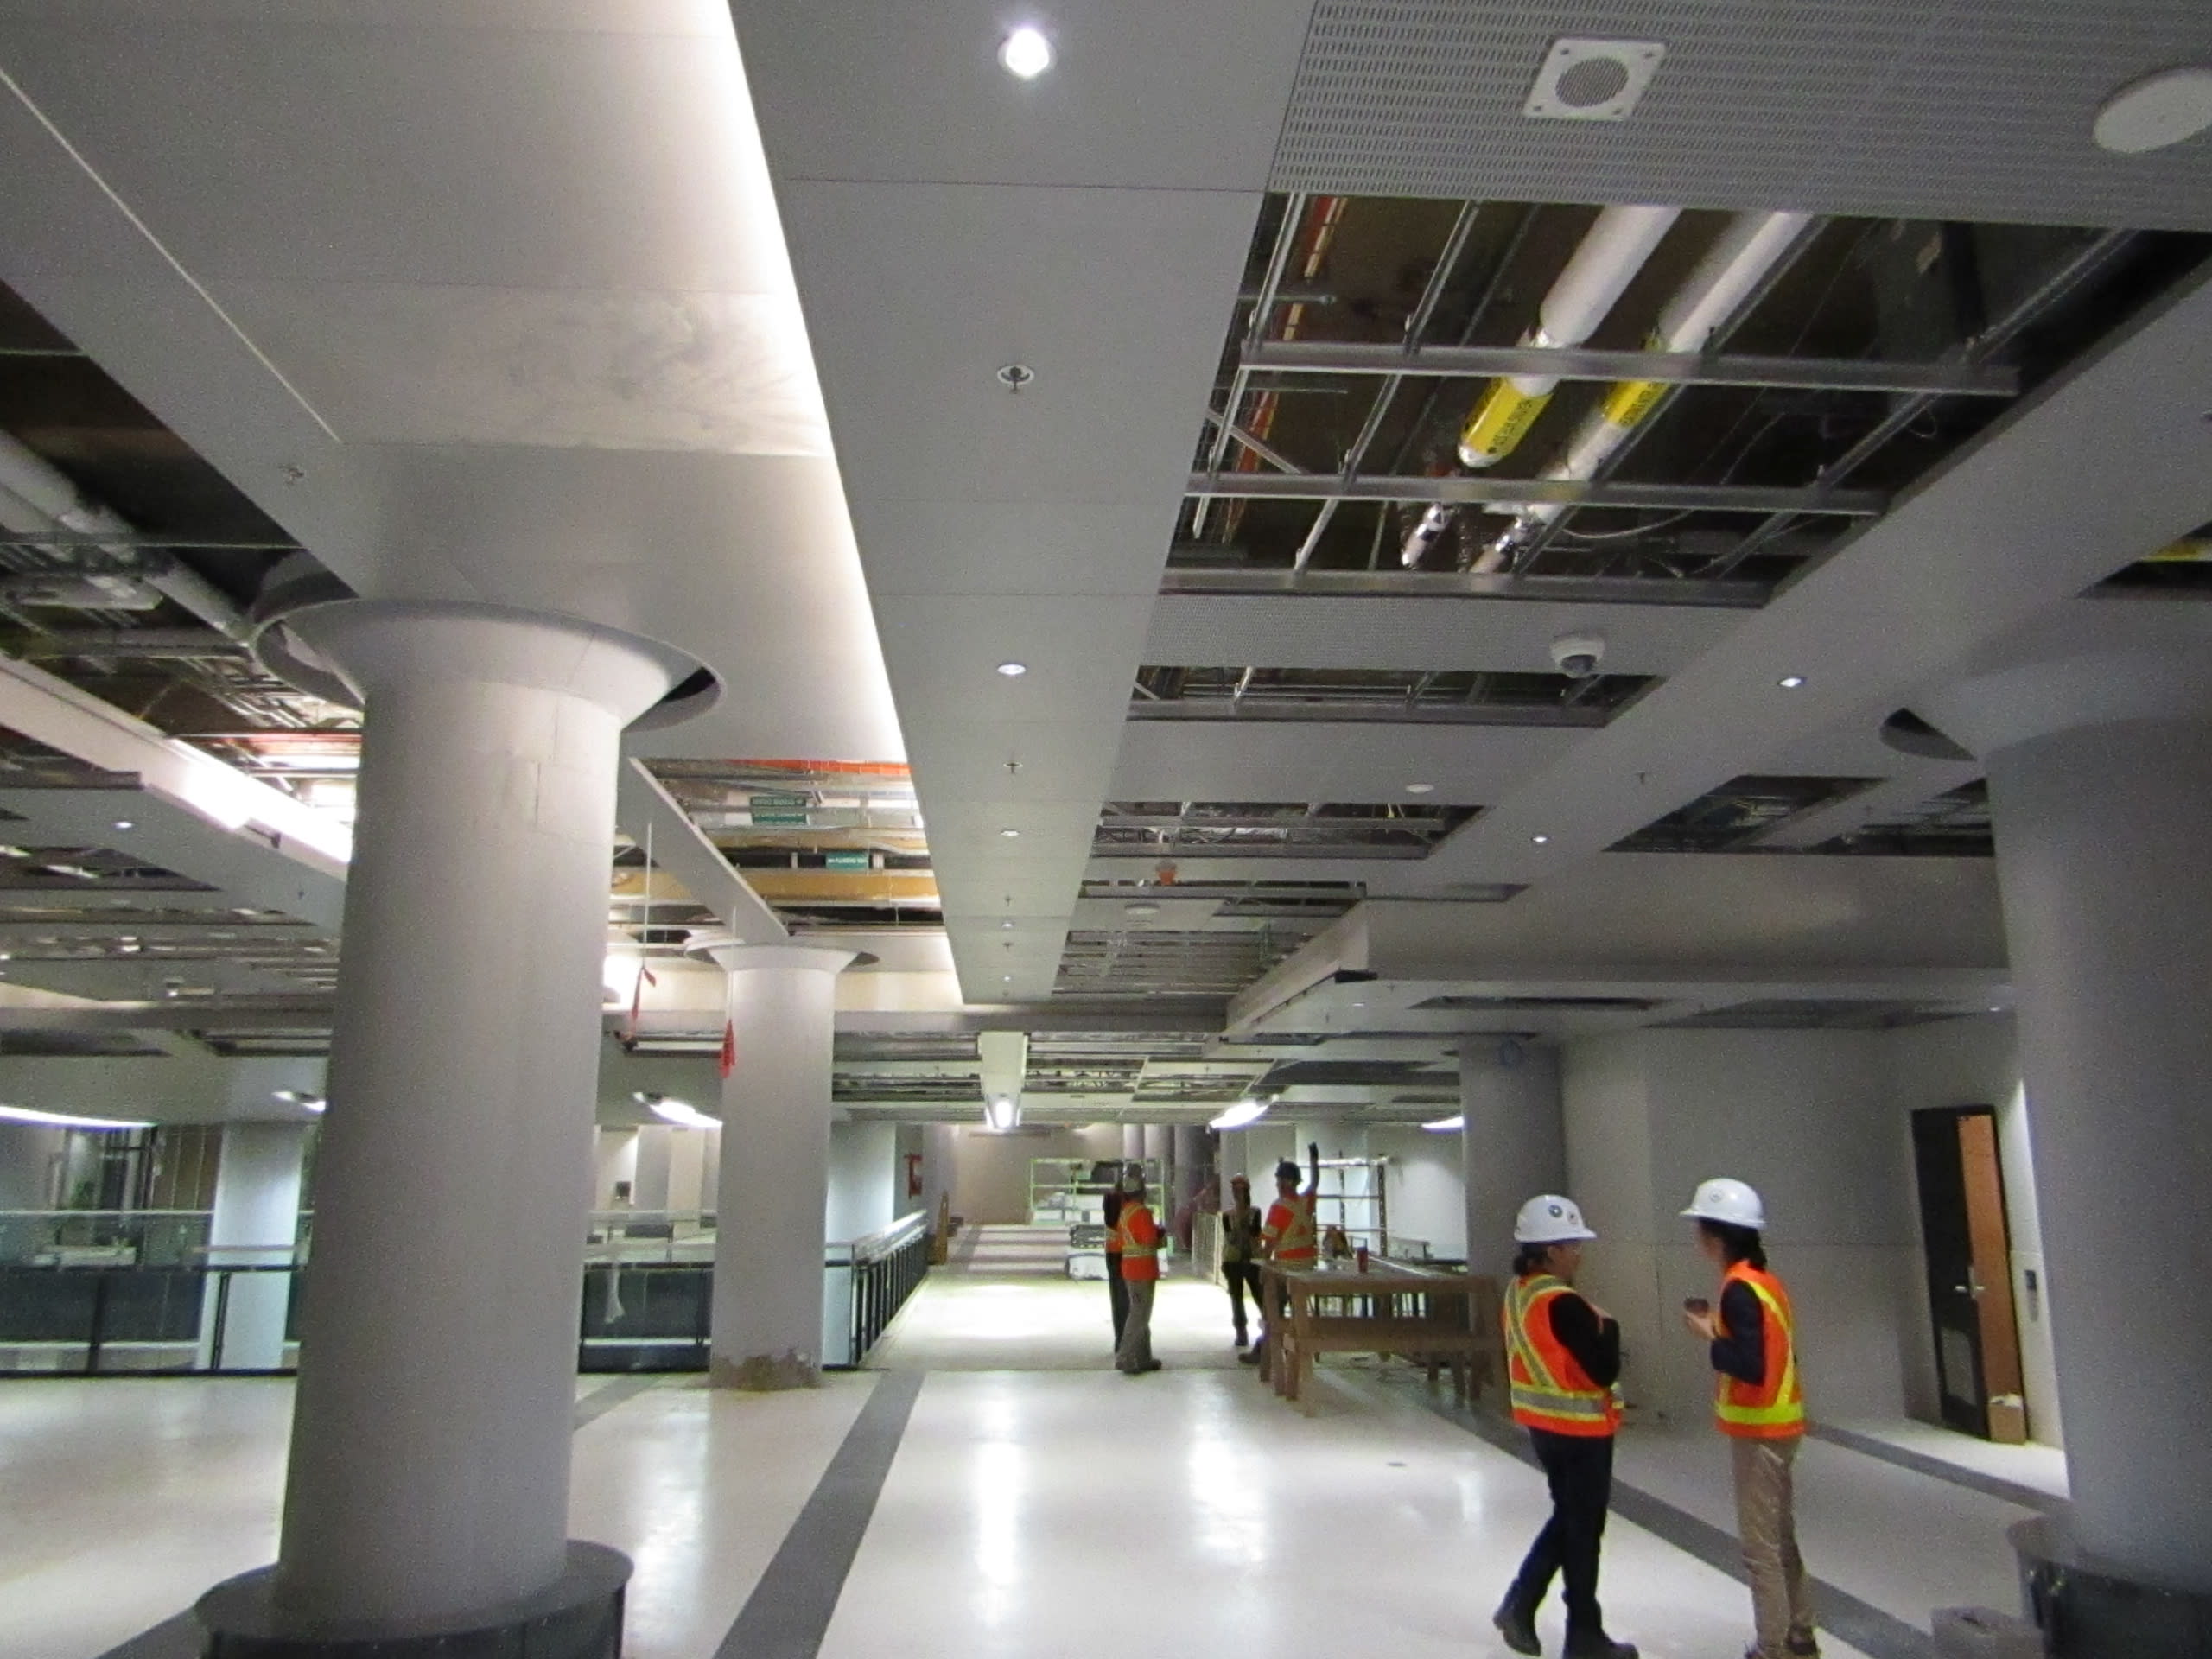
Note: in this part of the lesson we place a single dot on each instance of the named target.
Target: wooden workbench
(1427, 1314)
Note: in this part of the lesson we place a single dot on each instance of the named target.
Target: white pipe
(1751, 246)
(42, 488)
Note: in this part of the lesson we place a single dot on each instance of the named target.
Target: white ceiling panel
(1287, 760)
(509, 158)
(1494, 635)
(1078, 548)
(1155, 93)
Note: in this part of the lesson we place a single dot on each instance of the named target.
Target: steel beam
(1464, 491)
(1947, 379)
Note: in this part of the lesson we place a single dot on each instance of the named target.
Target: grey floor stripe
(1864, 1626)
(603, 1398)
(788, 1613)
(2028, 1498)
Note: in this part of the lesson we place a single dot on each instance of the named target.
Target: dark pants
(1579, 1470)
(1120, 1294)
(1242, 1276)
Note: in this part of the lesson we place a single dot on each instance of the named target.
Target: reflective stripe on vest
(1298, 1241)
(1543, 1397)
(1776, 1409)
(1140, 1243)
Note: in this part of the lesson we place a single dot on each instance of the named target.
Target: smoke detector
(1584, 79)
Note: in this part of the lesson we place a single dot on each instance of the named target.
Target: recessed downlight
(1014, 670)
(1420, 789)
(2155, 111)
(1542, 841)
(1790, 682)
(1025, 53)
(125, 823)
(1011, 834)
(1009, 927)
(1140, 907)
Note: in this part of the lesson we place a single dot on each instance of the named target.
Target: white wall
(1423, 1186)
(26, 1154)
(865, 1179)
(1513, 1145)
(990, 1173)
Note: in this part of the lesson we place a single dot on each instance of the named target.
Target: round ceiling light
(1141, 907)
(1541, 841)
(2155, 111)
(1014, 670)
(1420, 789)
(1025, 53)
(1790, 682)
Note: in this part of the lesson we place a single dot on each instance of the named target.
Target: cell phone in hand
(1696, 1305)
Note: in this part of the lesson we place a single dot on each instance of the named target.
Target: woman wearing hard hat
(1760, 1407)
(1563, 1359)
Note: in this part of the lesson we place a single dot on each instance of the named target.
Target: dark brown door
(1969, 1268)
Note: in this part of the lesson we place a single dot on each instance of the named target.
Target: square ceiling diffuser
(1585, 80)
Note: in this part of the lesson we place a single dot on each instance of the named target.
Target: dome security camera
(1577, 655)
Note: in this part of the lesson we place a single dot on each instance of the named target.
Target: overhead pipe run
(37, 485)
(1728, 275)
(1616, 247)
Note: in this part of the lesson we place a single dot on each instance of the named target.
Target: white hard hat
(1722, 1199)
(1550, 1219)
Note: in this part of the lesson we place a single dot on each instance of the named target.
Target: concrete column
(1514, 1144)
(1132, 1139)
(255, 1223)
(2100, 786)
(774, 1189)
(428, 1484)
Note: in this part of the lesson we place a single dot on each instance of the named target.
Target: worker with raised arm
(1760, 1406)
(1563, 1366)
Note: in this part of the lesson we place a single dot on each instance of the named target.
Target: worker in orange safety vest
(1290, 1238)
(1141, 1238)
(1563, 1366)
(1759, 1404)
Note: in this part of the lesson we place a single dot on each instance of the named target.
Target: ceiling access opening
(1954, 824)
(1531, 398)
(1182, 830)
(1455, 697)
(1783, 1014)
(2181, 569)
(1731, 817)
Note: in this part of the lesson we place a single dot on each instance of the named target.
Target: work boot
(1799, 1643)
(1598, 1647)
(1241, 1337)
(1517, 1627)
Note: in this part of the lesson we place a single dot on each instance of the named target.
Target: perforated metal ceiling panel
(1969, 109)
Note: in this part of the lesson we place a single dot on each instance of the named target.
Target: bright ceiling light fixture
(1542, 841)
(1014, 670)
(1001, 1112)
(681, 1113)
(1790, 682)
(1451, 1125)
(2155, 111)
(68, 1120)
(125, 823)
(1025, 53)
(1243, 1112)
(1011, 834)
(1420, 789)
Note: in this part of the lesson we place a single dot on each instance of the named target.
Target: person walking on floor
(1240, 1252)
(1289, 1237)
(1563, 1360)
(1117, 1292)
(1760, 1407)
(1140, 1274)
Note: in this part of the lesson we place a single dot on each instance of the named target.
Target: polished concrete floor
(1031, 1507)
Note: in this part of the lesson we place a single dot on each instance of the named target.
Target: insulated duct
(1602, 267)
(32, 489)
(1724, 279)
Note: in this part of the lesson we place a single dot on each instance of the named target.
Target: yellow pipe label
(1499, 422)
(1631, 400)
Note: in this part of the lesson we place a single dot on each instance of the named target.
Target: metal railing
(881, 1271)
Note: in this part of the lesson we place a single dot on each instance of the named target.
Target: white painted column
(1132, 1140)
(1513, 1144)
(2100, 786)
(430, 1467)
(773, 1188)
(255, 1223)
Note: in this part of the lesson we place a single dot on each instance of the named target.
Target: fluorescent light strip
(683, 1113)
(68, 1120)
(1243, 1112)
(1451, 1125)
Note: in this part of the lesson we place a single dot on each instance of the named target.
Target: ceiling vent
(1585, 80)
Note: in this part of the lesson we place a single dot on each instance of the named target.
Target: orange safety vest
(1550, 1390)
(1290, 1229)
(1139, 1243)
(1776, 1409)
